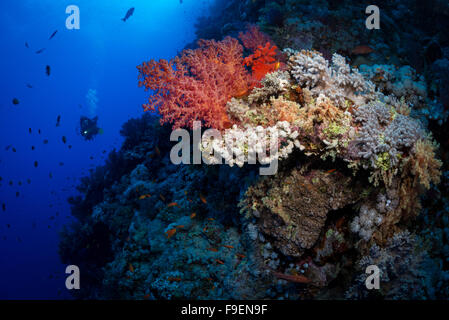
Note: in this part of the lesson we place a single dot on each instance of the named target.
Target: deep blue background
(102, 55)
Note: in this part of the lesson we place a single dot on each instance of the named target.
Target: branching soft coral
(253, 38)
(262, 61)
(197, 85)
(424, 164)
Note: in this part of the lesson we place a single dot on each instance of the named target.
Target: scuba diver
(89, 128)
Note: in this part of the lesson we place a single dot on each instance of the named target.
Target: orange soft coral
(197, 85)
(262, 61)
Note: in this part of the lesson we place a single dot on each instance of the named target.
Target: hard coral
(197, 85)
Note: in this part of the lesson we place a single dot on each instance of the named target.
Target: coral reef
(358, 134)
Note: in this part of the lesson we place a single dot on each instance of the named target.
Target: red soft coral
(262, 61)
(197, 85)
(253, 38)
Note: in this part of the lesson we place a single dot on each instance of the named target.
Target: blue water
(102, 55)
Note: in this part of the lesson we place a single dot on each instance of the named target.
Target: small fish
(170, 233)
(144, 196)
(361, 50)
(53, 34)
(212, 249)
(129, 13)
(64, 139)
(181, 226)
(229, 247)
(58, 121)
(45, 141)
(14, 150)
(172, 279)
(193, 215)
(29, 130)
(17, 194)
(29, 86)
(47, 70)
(130, 268)
(242, 256)
(15, 101)
(50, 175)
(162, 197)
(36, 164)
(70, 146)
(40, 51)
(27, 45)
(203, 199)
(39, 131)
(147, 296)
(210, 219)
(33, 147)
(292, 278)
(219, 261)
(331, 170)
(172, 204)
(158, 152)
(3, 207)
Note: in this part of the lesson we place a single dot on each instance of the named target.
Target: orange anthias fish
(292, 278)
(144, 196)
(212, 249)
(219, 261)
(203, 199)
(193, 215)
(172, 279)
(362, 50)
(130, 268)
(229, 247)
(240, 255)
(170, 233)
(162, 197)
(331, 170)
(172, 204)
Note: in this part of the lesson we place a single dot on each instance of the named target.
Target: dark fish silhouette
(29, 86)
(53, 34)
(40, 50)
(15, 101)
(36, 164)
(26, 45)
(47, 70)
(29, 130)
(4, 207)
(58, 120)
(45, 141)
(128, 14)
(64, 139)
(33, 147)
